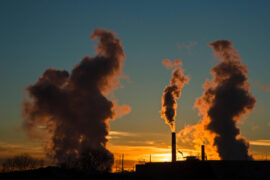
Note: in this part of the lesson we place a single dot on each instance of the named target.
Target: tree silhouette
(21, 162)
(98, 160)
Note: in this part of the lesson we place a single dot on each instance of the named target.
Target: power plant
(199, 167)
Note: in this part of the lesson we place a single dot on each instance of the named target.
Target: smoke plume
(225, 99)
(73, 108)
(263, 87)
(172, 92)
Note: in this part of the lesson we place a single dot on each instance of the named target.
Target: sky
(36, 35)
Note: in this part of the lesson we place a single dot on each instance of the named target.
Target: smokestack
(173, 147)
(171, 93)
(202, 153)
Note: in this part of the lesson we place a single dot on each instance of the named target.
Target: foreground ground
(54, 173)
(209, 170)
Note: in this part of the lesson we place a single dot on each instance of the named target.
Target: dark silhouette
(196, 169)
(191, 169)
(94, 160)
(21, 162)
(74, 109)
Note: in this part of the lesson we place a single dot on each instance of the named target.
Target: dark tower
(203, 153)
(173, 147)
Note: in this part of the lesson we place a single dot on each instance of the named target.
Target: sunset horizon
(112, 81)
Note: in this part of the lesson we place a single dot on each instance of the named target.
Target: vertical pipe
(202, 153)
(173, 147)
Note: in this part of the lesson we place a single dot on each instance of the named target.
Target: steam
(172, 92)
(73, 107)
(225, 99)
(263, 87)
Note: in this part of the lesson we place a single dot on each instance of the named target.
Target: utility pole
(116, 163)
(122, 162)
(150, 157)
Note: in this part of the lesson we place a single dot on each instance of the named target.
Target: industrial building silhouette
(195, 168)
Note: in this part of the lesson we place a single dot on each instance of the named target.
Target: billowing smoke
(230, 98)
(226, 98)
(73, 108)
(172, 92)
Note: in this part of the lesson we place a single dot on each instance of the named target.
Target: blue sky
(36, 35)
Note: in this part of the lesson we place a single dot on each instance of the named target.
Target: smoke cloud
(73, 107)
(225, 99)
(172, 92)
(263, 87)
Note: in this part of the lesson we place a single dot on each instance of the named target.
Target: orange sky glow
(135, 153)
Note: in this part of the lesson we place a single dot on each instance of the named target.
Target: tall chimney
(202, 153)
(173, 147)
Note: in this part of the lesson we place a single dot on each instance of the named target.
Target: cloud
(122, 138)
(122, 110)
(171, 64)
(8, 150)
(187, 46)
(263, 142)
(263, 87)
(121, 133)
(254, 128)
(139, 152)
(3, 149)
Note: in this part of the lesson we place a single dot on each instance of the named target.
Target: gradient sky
(36, 35)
